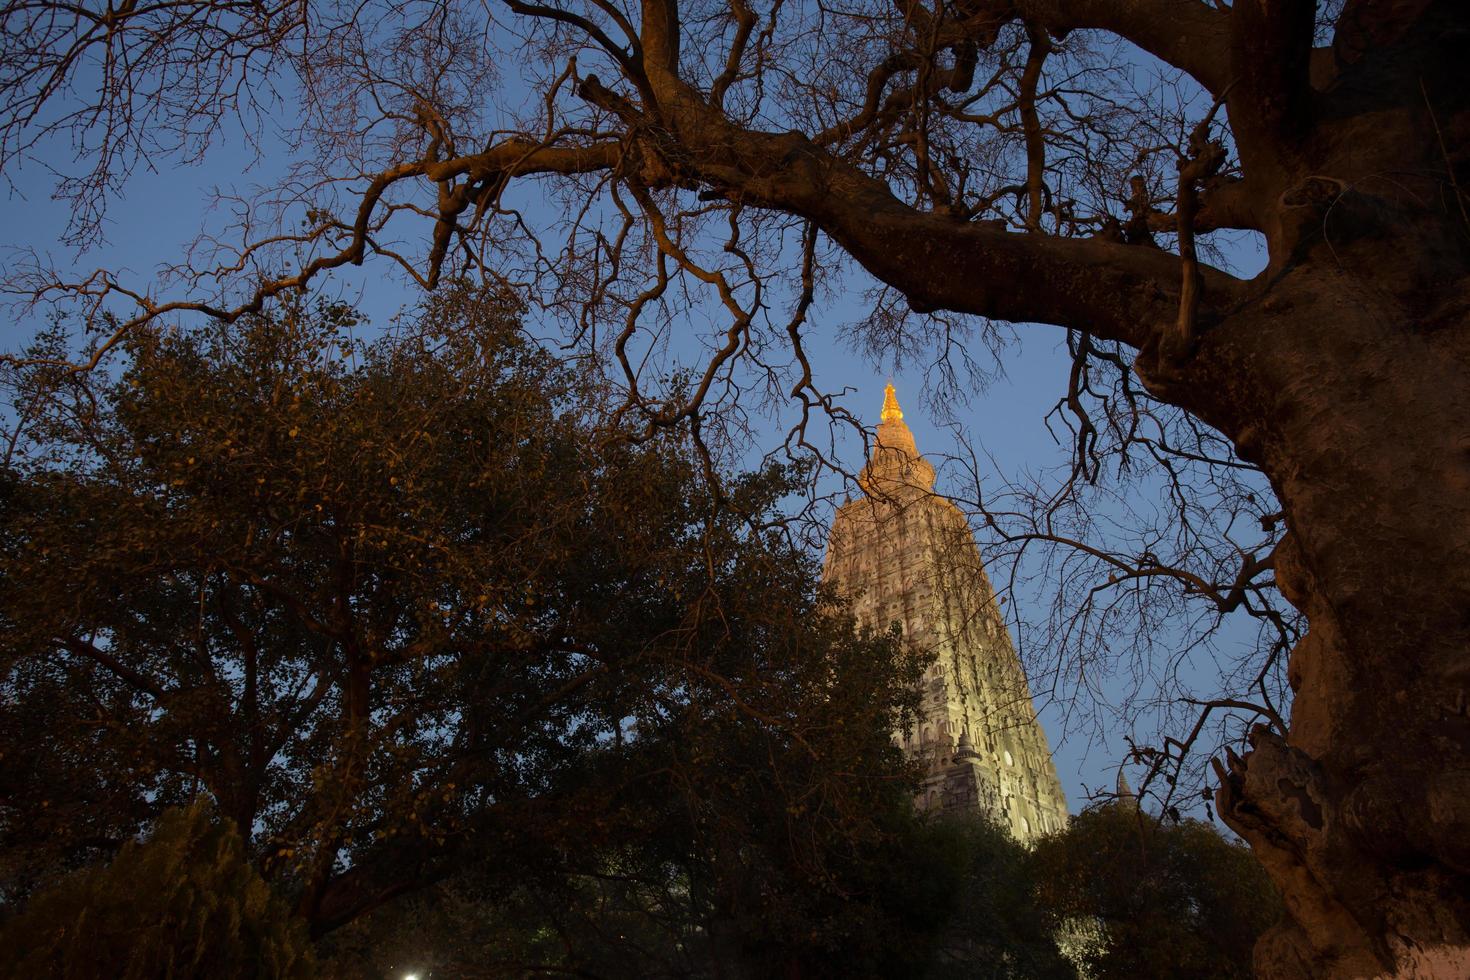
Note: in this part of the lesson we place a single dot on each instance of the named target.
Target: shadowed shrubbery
(185, 903)
(1139, 898)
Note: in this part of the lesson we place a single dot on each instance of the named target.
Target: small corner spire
(1125, 794)
(891, 411)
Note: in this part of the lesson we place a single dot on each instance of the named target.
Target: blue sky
(162, 210)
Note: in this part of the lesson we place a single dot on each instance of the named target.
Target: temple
(907, 556)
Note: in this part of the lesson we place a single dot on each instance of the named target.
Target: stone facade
(907, 555)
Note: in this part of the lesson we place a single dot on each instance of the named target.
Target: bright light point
(410, 976)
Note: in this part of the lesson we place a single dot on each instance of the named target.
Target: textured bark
(1362, 816)
(1345, 378)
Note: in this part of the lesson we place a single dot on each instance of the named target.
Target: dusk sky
(1003, 417)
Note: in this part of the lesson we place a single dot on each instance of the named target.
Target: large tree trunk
(1358, 413)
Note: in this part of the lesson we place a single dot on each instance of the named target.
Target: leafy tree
(1140, 898)
(1068, 162)
(993, 925)
(929, 898)
(402, 604)
(750, 859)
(185, 903)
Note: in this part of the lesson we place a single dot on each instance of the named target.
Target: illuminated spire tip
(891, 411)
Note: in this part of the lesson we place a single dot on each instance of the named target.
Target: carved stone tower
(907, 556)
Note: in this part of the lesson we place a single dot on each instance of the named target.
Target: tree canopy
(1116, 893)
(1140, 897)
(185, 903)
(394, 603)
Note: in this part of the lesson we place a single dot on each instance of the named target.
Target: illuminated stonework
(907, 556)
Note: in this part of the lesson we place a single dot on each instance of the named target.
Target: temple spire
(896, 462)
(903, 552)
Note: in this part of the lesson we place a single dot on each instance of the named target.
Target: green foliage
(945, 898)
(992, 926)
(404, 609)
(1140, 898)
(761, 836)
(185, 903)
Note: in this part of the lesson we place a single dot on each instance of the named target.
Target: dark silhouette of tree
(1062, 162)
(933, 898)
(1137, 897)
(398, 605)
(186, 903)
(981, 883)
